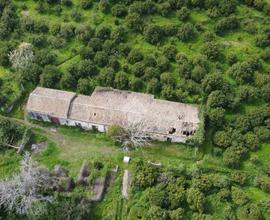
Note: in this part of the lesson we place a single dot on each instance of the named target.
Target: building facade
(163, 120)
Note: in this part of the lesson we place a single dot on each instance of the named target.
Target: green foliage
(239, 197)
(196, 200)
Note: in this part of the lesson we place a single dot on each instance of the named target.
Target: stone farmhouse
(163, 120)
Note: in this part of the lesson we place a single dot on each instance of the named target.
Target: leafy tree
(101, 58)
(265, 92)
(104, 6)
(196, 200)
(119, 35)
(106, 77)
(103, 33)
(119, 10)
(170, 52)
(223, 139)
(31, 73)
(251, 141)
(87, 53)
(45, 57)
(177, 214)
(114, 63)
(163, 64)
(138, 69)
(86, 4)
(216, 117)
(153, 34)
(134, 56)
(67, 82)
(136, 84)
(95, 43)
(239, 197)
(176, 195)
(216, 99)
(121, 80)
(164, 8)
(264, 183)
(167, 78)
(198, 73)
(212, 82)
(150, 61)
(183, 13)
(151, 72)
(156, 212)
(249, 212)
(186, 32)
(153, 86)
(50, 77)
(84, 33)
(87, 68)
(135, 22)
(145, 175)
(211, 50)
(158, 196)
(233, 155)
(226, 24)
(85, 86)
(168, 92)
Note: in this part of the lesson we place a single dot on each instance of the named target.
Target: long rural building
(163, 120)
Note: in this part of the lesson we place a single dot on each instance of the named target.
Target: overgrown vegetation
(207, 52)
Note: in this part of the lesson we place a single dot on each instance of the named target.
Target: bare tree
(24, 191)
(133, 135)
(22, 56)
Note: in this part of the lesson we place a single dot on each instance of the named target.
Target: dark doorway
(55, 120)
